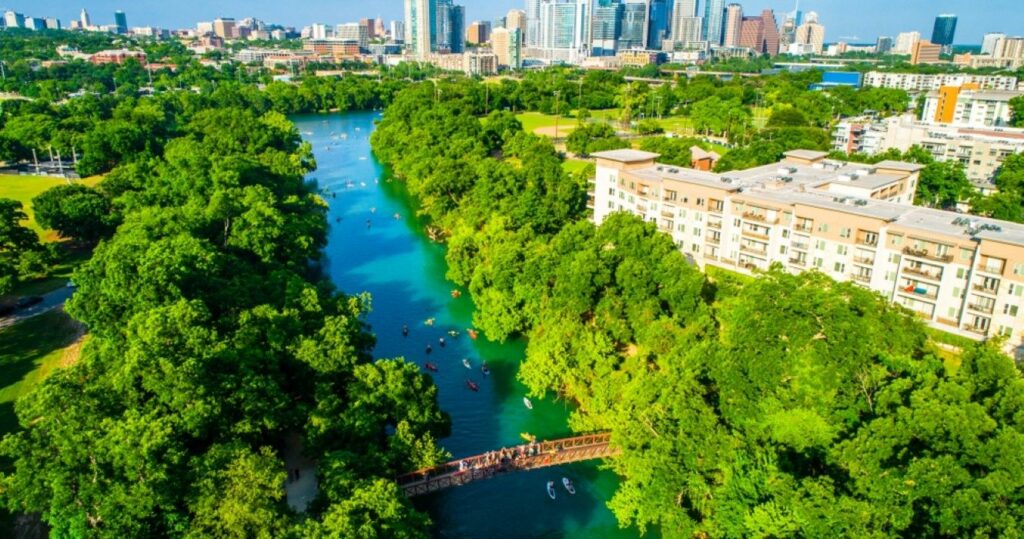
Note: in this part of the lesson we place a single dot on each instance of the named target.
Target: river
(405, 274)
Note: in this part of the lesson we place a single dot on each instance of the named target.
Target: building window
(681, 228)
(611, 190)
(1016, 290)
(897, 240)
(960, 273)
(611, 205)
(1011, 310)
(951, 312)
(842, 250)
(696, 232)
(840, 267)
(736, 223)
(1018, 269)
(631, 199)
(818, 262)
(782, 250)
(700, 201)
(965, 254)
(844, 232)
(823, 227)
(785, 234)
(956, 292)
(819, 245)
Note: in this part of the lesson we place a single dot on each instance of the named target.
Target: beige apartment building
(853, 222)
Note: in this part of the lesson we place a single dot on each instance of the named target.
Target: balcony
(864, 261)
(924, 253)
(641, 208)
(665, 228)
(976, 330)
(868, 242)
(991, 270)
(866, 279)
(918, 292)
(977, 307)
(717, 225)
(992, 291)
(798, 246)
(754, 250)
(909, 270)
(760, 218)
(667, 214)
(798, 261)
(716, 208)
(804, 229)
(713, 240)
(757, 235)
(590, 202)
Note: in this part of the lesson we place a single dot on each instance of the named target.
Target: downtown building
(917, 83)
(852, 222)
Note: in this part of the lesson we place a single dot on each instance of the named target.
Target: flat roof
(626, 156)
(806, 154)
(899, 165)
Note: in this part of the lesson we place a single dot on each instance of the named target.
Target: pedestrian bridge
(520, 458)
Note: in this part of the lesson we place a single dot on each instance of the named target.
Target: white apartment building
(905, 42)
(857, 223)
(981, 151)
(914, 82)
(972, 108)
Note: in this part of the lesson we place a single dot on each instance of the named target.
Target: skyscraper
(533, 22)
(121, 22)
(506, 43)
(606, 26)
(760, 33)
(714, 21)
(451, 27)
(811, 33)
(733, 25)
(944, 31)
(686, 25)
(84, 19)
(479, 32)
(988, 44)
(420, 26)
(516, 18)
(634, 24)
(659, 15)
(565, 28)
(883, 45)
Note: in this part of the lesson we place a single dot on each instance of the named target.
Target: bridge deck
(507, 460)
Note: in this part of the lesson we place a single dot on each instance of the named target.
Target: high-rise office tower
(398, 31)
(121, 22)
(533, 23)
(714, 21)
(988, 44)
(507, 45)
(447, 39)
(686, 25)
(456, 29)
(83, 18)
(760, 33)
(811, 33)
(565, 28)
(883, 45)
(944, 31)
(478, 32)
(659, 25)
(634, 24)
(224, 27)
(516, 18)
(605, 27)
(905, 42)
(420, 26)
(733, 25)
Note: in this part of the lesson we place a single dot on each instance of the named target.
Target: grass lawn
(29, 352)
(24, 188)
(572, 166)
(533, 121)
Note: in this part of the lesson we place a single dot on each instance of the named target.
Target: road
(50, 302)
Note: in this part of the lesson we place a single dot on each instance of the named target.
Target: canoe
(430, 367)
(467, 364)
(568, 485)
(527, 403)
(472, 385)
(551, 489)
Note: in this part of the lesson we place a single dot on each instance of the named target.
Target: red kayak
(472, 333)
(430, 367)
(472, 385)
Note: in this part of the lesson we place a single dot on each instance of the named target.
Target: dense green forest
(215, 343)
(787, 406)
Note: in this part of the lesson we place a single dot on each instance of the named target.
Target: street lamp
(557, 94)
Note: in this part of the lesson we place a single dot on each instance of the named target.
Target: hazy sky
(843, 19)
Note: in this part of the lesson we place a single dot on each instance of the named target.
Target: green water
(405, 273)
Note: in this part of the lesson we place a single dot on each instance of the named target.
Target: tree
(591, 138)
(1017, 105)
(17, 243)
(75, 211)
(943, 184)
(787, 117)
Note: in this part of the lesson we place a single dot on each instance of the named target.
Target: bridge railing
(523, 456)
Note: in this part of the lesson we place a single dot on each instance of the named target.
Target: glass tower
(634, 25)
(944, 31)
(714, 21)
(660, 15)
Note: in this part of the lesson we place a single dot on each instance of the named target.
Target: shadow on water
(405, 274)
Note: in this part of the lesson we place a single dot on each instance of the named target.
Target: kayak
(472, 385)
(430, 367)
(568, 485)
(467, 364)
(456, 294)
(551, 489)
(527, 403)
(429, 321)
(472, 333)
(484, 369)
(453, 333)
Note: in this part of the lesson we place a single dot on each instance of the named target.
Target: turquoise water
(371, 251)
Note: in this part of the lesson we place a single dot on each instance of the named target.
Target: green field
(573, 166)
(24, 188)
(533, 121)
(30, 351)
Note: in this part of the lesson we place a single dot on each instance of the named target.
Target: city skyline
(859, 22)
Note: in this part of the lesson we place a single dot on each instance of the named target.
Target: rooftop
(626, 156)
(810, 155)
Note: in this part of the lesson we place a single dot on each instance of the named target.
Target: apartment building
(852, 222)
(981, 151)
(914, 82)
(969, 107)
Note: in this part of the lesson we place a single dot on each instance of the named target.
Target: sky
(843, 19)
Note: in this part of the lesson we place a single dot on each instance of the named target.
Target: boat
(453, 333)
(551, 489)
(485, 369)
(472, 333)
(430, 366)
(429, 321)
(568, 485)
(456, 294)
(472, 385)
(527, 403)
(467, 364)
